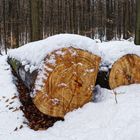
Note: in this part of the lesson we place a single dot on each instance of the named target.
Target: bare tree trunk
(17, 24)
(109, 20)
(137, 34)
(4, 27)
(35, 20)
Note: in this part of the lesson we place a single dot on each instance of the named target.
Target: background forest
(102, 19)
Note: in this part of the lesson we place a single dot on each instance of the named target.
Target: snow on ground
(8, 101)
(104, 120)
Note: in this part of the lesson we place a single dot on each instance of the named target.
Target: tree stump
(68, 81)
(125, 71)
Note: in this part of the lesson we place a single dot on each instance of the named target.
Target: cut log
(67, 76)
(125, 71)
(68, 83)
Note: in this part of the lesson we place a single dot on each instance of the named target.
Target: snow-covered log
(68, 83)
(112, 53)
(64, 82)
(63, 78)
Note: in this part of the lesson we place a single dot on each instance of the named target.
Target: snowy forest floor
(105, 120)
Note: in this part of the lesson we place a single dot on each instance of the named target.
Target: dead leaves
(17, 128)
(10, 102)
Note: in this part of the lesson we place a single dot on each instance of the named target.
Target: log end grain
(69, 83)
(125, 71)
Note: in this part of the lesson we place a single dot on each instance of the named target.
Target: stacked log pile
(66, 79)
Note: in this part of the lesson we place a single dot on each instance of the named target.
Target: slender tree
(36, 26)
(137, 33)
(4, 27)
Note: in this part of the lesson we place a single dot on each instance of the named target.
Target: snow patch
(35, 52)
(113, 50)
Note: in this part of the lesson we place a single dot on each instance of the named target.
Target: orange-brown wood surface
(70, 81)
(125, 71)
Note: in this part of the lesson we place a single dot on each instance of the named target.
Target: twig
(115, 93)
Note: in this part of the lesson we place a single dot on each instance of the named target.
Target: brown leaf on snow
(11, 108)
(16, 129)
(25, 123)
(21, 126)
(7, 106)
(14, 97)
(16, 109)
(11, 102)
(6, 100)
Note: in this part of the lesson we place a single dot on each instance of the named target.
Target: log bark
(27, 78)
(69, 76)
